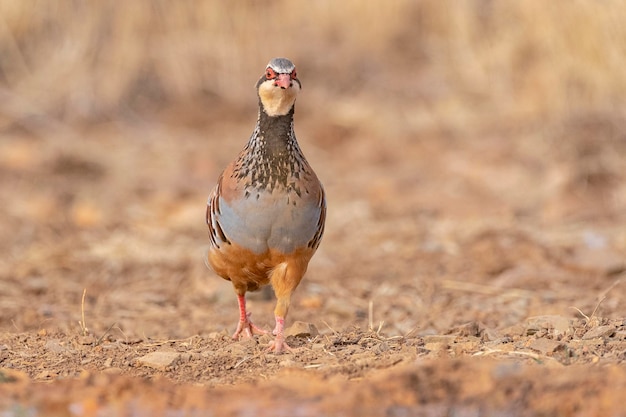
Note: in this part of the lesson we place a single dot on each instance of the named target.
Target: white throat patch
(278, 101)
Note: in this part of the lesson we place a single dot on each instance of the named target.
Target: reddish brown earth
(460, 275)
(474, 159)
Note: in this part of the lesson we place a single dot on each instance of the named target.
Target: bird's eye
(293, 74)
(270, 74)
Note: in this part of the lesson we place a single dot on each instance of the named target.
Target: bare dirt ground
(474, 159)
(458, 276)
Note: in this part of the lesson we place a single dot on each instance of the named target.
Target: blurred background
(474, 156)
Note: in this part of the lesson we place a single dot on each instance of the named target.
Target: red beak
(283, 81)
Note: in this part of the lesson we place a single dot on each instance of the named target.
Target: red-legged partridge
(266, 215)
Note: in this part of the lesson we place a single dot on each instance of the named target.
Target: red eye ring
(293, 74)
(270, 74)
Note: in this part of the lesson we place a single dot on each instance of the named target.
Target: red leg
(245, 326)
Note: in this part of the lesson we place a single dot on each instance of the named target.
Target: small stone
(302, 329)
(600, 331)
(545, 346)
(555, 325)
(159, 360)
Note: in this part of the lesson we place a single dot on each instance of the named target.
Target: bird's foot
(247, 329)
(278, 345)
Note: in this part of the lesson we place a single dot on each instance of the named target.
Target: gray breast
(283, 222)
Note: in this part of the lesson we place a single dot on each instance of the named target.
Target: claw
(278, 345)
(245, 325)
(248, 328)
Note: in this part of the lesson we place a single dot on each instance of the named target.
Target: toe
(279, 346)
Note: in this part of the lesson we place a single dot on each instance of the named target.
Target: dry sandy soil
(473, 262)
(458, 276)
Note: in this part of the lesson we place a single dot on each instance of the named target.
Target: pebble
(159, 360)
(600, 331)
(556, 325)
(545, 346)
(302, 329)
(518, 329)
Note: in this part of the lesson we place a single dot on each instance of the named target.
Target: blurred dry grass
(429, 122)
(456, 61)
